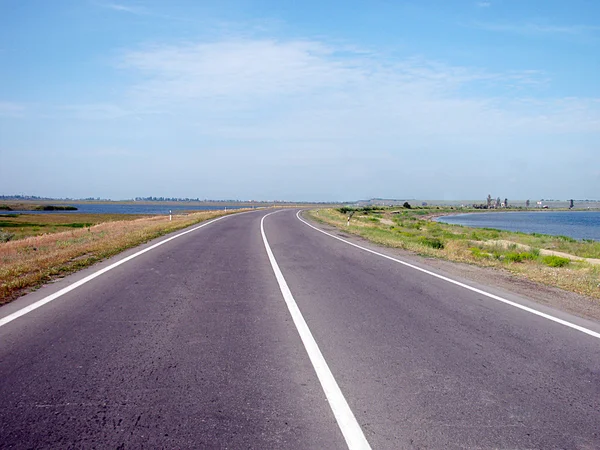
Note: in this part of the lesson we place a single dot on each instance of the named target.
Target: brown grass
(25, 225)
(30, 262)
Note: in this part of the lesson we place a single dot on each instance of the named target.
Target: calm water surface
(575, 224)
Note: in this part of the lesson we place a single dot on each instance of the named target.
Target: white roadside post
(350, 214)
(170, 215)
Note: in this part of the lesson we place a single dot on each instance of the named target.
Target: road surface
(192, 345)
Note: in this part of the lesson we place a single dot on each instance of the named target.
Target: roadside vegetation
(51, 246)
(19, 226)
(12, 206)
(558, 261)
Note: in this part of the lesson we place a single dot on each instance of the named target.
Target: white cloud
(483, 4)
(92, 111)
(533, 28)
(266, 115)
(12, 109)
(306, 89)
(124, 8)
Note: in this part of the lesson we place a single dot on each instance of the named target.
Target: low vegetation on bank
(19, 226)
(34, 207)
(557, 261)
(38, 255)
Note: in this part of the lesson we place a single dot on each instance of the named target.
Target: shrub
(367, 209)
(513, 257)
(497, 254)
(555, 261)
(492, 233)
(5, 236)
(431, 242)
(521, 256)
(477, 253)
(406, 205)
(55, 208)
(540, 235)
(566, 238)
(77, 225)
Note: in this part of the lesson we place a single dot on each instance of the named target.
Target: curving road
(196, 344)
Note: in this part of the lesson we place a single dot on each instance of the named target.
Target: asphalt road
(191, 345)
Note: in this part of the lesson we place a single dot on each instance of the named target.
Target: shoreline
(498, 211)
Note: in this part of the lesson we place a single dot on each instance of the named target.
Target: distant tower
(527, 203)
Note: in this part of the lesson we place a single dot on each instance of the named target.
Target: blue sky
(312, 100)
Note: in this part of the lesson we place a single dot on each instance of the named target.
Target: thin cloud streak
(532, 28)
(289, 89)
(124, 8)
(143, 11)
(12, 109)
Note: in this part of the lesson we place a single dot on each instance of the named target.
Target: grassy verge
(19, 226)
(534, 256)
(29, 262)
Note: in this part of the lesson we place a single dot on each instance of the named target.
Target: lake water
(575, 224)
(116, 208)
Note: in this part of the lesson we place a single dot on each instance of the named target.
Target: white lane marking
(75, 285)
(355, 439)
(458, 283)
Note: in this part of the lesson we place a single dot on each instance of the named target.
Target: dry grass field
(25, 225)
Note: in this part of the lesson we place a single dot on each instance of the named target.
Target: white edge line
(458, 283)
(90, 277)
(353, 434)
